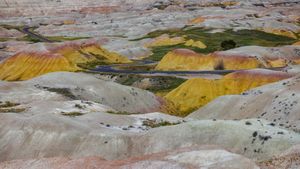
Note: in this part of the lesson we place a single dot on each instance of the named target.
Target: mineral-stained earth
(149, 84)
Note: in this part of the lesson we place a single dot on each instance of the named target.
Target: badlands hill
(53, 115)
(288, 159)
(99, 134)
(64, 86)
(276, 102)
(44, 7)
(249, 57)
(84, 116)
(185, 59)
(41, 58)
(197, 92)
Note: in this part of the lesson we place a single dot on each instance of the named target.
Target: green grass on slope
(214, 40)
(10, 107)
(161, 83)
(64, 38)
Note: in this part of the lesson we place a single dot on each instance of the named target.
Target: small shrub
(154, 123)
(119, 112)
(79, 106)
(63, 91)
(9, 107)
(72, 114)
(8, 104)
(12, 110)
(228, 44)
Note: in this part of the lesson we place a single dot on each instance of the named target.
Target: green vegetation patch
(92, 65)
(100, 60)
(214, 40)
(158, 83)
(64, 38)
(29, 39)
(12, 110)
(63, 91)
(8, 104)
(79, 106)
(5, 39)
(72, 114)
(119, 112)
(10, 107)
(155, 123)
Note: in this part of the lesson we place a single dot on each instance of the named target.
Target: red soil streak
(231, 55)
(37, 55)
(99, 9)
(186, 52)
(260, 73)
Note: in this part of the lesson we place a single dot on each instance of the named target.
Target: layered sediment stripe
(249, 57)
(197, 92)
(44, 58)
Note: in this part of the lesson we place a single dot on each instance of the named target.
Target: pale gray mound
(6, 33)
(51, 135)
(194, 157)
(253, 138)
(63, 86)
(290, 159)
(277, 102)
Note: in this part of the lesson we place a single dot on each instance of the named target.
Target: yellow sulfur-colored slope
(184, 59)
(237, 62)
(235, 59)
(195, 93)
(197, 44)
(165, 40)
(26, 65)
(297, 43)
(197, 20)
(101, 53)
(281, 32)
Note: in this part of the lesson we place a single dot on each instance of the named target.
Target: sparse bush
(228, 44)
(9, 107)
(79, 106)
(119, 112)
(12, 110)
(72, 114)
(155, 123)
(63, 91)
(8, 104)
